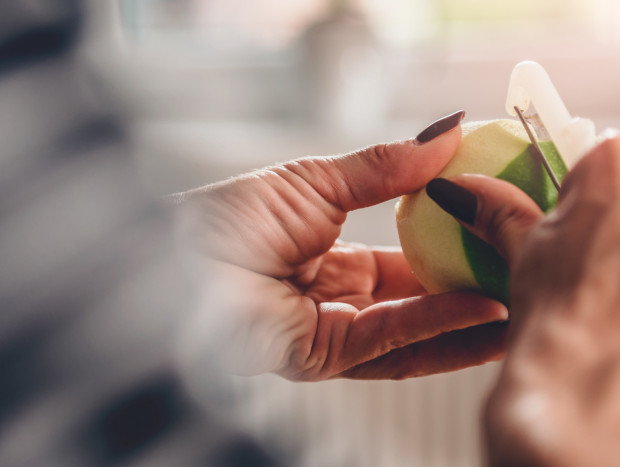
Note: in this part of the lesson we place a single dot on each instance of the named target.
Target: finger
(386, 326)
(395, 280)
(382, 172)
(493, 209)
(596, 177)
(447, 352)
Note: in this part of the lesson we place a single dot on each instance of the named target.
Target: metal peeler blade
(537, 149)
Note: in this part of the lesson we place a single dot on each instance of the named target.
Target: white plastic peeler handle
(529, 82)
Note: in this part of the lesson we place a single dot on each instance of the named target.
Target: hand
(309, 307)
(557, 401)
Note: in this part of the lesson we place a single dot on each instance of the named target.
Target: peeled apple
(444, 255)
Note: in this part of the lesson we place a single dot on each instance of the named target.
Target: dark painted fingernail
(454, 199)
(440, 127)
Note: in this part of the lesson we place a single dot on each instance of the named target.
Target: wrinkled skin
(298, 302)
(557, 402)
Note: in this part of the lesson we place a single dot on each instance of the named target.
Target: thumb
(493, 209)
(378, 173)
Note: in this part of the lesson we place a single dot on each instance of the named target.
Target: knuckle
(378, 153)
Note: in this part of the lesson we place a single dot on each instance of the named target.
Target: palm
(360, 276)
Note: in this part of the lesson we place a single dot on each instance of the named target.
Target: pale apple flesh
(447, 257)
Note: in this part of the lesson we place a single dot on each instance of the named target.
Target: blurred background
(213, 88)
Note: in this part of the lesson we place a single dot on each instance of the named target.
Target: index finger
(501, 213)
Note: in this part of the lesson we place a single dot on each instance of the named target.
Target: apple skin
(444, 255)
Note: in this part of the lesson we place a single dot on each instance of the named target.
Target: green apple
(444, 255)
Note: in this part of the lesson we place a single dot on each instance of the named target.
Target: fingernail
(440, 127)
(454, 199)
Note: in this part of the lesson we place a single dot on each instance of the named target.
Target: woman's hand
(300, 302)
(557, 401)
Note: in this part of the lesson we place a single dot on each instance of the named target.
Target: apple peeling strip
(530, 83)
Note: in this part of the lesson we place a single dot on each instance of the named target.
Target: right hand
(557, 401)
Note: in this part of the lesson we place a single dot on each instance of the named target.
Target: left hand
(309, 307)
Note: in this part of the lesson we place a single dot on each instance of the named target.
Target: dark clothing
(91, 288)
